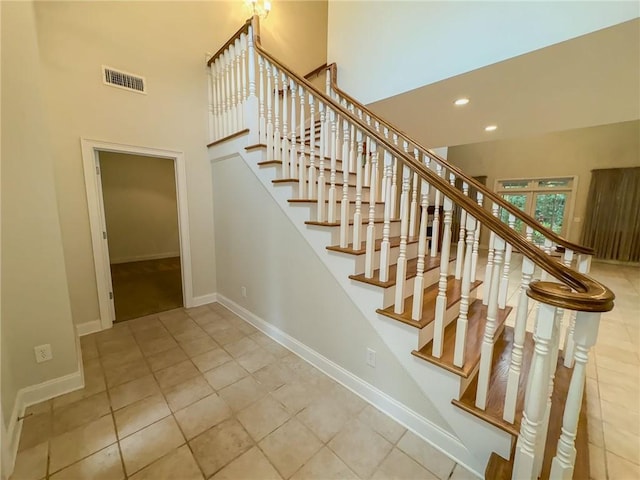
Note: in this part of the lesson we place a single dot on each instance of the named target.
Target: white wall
(287, 285)
(35, 299)
(140, 207)
(384, 48)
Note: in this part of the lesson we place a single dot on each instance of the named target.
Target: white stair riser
(426, 334)
(334, 232)
(412, 251)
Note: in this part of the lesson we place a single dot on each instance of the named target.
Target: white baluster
(504, 282)
(321, 181)
(383, 183)
(584, 265)
(435, 226)
(371, 238)
(476, 240)
(344, 203)
(252, 114)
(465, 290)
(212, 128)
(486, 351)
(441, 299)
(283, 152)
(488, 271)
(243, 64)
(401, 269)
(238, 88)
(585, 335)
(233, 86)
(332, 177)
(312, 147)
(226, 93)
(269, 92)
(394, 188)
(277, 132)
(292, 143)
(367, 165)
(385, 246)
(460, 253)
(262, 123)
(413, 209)
(302, 162)
(519, 332)
(219, 107)
(357, 217)
(418, 284)
(535, 396)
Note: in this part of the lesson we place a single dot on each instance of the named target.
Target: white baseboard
(86, 328)
(421, 426)
(203, 300)
(142, 258)
(35, 394)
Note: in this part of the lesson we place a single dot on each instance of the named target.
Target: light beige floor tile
(225, 375)
(190, 334)
(199, 345)
(126, 341)
(186, 393)
(71, 446)
(226, 335)
(242, 393)
(381, 423)
(596, 433)
(197, 312)
(263, 417)
(261, 339)
(38, 408)
(622, 443)
(430, 458)
(125, 373)
(274, 376)
(295, 397)
(143, 323)
(256, 359)
(399, 465)
(290, 447)
(325, 417)
(94, 383)
(31, 464)
(131, 392)
(202, 415)
(619, 378)
(157, 345)
(211, 359)
(102, 465)
(621, 418)
(324, 465)
(138, 415)
(249, 465)
(597, 465)
(620, 469)
(207, 318)
(219, 445)
(35, 430)
(625, 398)
(241, 347)
(149, 444)
(355, 438)
(79, 413)
(461, 473)
(276, 349)
(166, 359)
(350, 400)
(178, 465)
(152, 332)
(176, 374)
(214, 327)
(128, 355)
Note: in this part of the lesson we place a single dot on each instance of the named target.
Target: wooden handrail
(243, 29)
(589, 294)
(486, 192)
(317, 70)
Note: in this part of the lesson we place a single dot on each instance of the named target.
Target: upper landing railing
(316, 134)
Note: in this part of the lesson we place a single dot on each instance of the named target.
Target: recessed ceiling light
(461, 101)
(490, 128)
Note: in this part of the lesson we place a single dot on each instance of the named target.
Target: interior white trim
(90, 151)
(142, 258)
(87, 328)
(421, 426)
(204, 299)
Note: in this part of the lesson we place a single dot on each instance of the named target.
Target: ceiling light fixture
(490, 128)
(261, 8)
(461, 101)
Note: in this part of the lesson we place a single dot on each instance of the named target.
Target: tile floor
(199, 393)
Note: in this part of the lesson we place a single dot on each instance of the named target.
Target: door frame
(95, 203)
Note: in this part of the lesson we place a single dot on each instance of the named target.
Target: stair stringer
(474, 440)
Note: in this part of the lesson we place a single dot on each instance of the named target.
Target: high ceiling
(589, 80)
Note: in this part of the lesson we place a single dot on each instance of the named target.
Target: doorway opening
(141, 219)
(139, 229)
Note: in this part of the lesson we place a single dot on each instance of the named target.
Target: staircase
(408, 226)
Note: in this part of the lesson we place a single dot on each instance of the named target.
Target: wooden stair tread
(337, 223)
(394, 241)
(428, 303)
(279, 162)
(477, 318)
(315, 200)
(412, 269)
(296, 180)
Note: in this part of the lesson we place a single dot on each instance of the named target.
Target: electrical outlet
(243, 291)
(43, 353)
(371, 357)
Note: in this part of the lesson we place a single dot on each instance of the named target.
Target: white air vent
(120, 79)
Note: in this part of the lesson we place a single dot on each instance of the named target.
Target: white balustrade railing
(337, 151)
